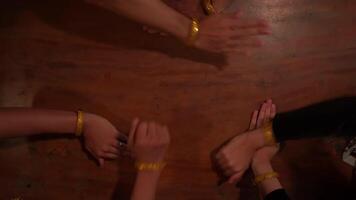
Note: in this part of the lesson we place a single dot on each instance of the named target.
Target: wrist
(257, 138)
(149, 173)
(146, 171)
(150, 166)
(88, 120)
(182, 28)
(260, 167)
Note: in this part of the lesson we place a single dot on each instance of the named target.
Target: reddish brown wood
(69, 55)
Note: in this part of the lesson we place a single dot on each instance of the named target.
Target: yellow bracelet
(142, 166)
(80, 123)
(209, 7)
(268, 134)
(193, 33)
(266, 176)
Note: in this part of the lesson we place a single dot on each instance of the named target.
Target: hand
(151, 30)
(148, 141)
(235, 157)
(230, 33)
(101, 138)
(221, 5)
(264, 115)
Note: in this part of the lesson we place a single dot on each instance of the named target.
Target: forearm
(269, 185)
(150, 12)
(145, 185)
(334, 117)
(16, 122)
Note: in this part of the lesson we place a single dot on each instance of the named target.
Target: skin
(149, 142)
(100, 136)
(220, 5)
(261, 161)
(261, 158)
(221, 33)
(231, 33)
(236, 156)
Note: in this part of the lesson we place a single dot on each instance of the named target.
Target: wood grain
(70, 55)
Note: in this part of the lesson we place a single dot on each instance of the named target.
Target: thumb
(101, 162)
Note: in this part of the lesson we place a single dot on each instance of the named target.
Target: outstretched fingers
(253, 122)
(268, 111)
(261, 115)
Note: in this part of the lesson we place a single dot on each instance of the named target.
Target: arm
(16, 122)
(270, 188)
(100, 136)
(217, 33)
(249, 149)
(263, 167)
(149, 144)
(335, 117)
(236, 156)
(150, 12)
(145, 185)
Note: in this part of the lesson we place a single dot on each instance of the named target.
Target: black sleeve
(279, 194)
(334, 117)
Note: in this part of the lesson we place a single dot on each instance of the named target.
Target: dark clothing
(334, 117)
(279, 194)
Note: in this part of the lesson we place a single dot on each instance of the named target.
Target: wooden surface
(70, 55)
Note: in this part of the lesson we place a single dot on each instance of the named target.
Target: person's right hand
(101, 138)
(148, 141)
(230, 33)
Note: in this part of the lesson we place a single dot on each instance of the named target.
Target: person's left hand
(266, 114)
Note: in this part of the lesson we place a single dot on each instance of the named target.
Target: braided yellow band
(268, 134)
(141, 166)
(266, 176)
(209, 7)
(80, 123)
(194, 32)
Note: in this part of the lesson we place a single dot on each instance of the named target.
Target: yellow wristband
(142, 166)
(268, 134)
(266, 176)
(209, 7)
(193, 33)
(80, 123)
